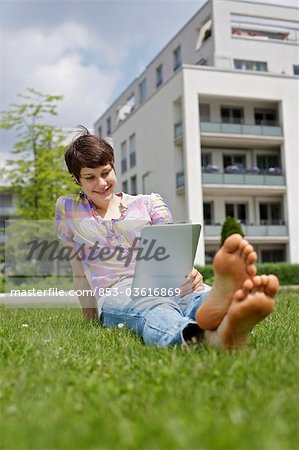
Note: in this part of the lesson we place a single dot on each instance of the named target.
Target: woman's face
(98, 184)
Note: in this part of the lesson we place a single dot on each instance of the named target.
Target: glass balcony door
(232, 115)
(270, 214)
(238, 211)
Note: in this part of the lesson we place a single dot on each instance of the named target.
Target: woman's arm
(65, 234)
(88, 302)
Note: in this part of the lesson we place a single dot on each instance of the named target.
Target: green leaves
(230, 227)
(38, 176)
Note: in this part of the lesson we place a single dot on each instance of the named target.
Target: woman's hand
(194, 283)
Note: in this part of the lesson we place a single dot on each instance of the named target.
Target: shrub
(229, 227)
(207, 273)
(288, 274)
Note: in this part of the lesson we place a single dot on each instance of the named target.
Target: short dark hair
(87, 150)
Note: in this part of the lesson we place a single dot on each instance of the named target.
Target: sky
(86, 51)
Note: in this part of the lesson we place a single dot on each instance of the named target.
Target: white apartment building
(212, 125)
(8, 209)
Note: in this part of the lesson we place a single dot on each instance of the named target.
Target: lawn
(67, 384)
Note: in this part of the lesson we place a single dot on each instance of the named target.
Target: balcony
(273, 130)
(251, 230)
(237, 176)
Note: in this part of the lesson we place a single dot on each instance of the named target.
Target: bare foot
(250, 305)
(233, 264)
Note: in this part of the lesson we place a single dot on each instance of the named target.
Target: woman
(98, 218)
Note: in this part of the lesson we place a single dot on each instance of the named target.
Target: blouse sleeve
(62, 227)
(158, 210)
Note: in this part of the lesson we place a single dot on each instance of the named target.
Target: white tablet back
(168, 256)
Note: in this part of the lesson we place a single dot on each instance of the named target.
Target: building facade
(8, 209)
(212, 125)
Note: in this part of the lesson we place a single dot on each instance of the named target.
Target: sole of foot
(250, 305)
(233, 264)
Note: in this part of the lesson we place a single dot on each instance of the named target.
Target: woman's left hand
(194, 283)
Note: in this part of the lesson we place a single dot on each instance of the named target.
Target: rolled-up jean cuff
(190, 331)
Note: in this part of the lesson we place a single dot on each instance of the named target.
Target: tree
(229, 227)
(37, 176)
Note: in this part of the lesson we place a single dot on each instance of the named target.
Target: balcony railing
(265, 178)
(234, 175)
(251, 230)
(8, 211)
(236, 128)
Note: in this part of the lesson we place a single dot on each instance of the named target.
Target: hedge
(288, 274)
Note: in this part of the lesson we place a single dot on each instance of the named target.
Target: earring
(81, 193)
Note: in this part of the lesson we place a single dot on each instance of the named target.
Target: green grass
(67, 384)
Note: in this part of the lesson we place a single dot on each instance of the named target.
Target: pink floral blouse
(100, 242)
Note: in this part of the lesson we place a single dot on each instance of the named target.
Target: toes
(267, 283)
(251, 258)
(257, 280)
(231, 244)
(264, 279)
(239, 295)
(248, 285)
(247, 252)
(272, 285)
(247, 249)
(242, 245)
(251, 270)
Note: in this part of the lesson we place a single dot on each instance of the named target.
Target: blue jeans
(159, 321)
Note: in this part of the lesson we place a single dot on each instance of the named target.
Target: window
(124, 156)
(259, 66)
(232, 114)
(204, 32)
(273, 256)
(237, 210)
(208, 213)
(142, 91)
(132, 146)
(248, 32)
(265, 162)
(134, 185)
(125, 186)
(209, 256)
(204, 112)
(125, 110)
(296, 70)
(100, 132)
(270, 214)
(108, 125)
(206, 159)
(5, 200)
(177, 58)
(265, 117)
(159, 75)
(253, 27)
(238, 161)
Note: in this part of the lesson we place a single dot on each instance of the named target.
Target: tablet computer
(166, 259)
